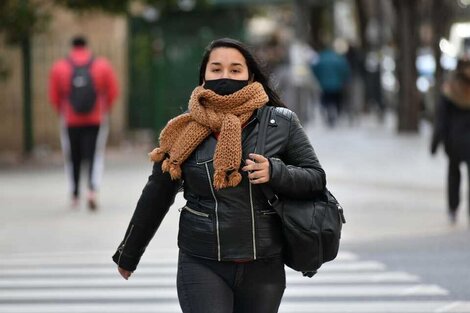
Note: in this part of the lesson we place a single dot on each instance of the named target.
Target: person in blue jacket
(332, 71)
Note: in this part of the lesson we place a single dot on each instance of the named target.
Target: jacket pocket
(197, 232)
(195, 177)
(195, 212)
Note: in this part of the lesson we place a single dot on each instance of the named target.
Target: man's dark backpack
(82, 89)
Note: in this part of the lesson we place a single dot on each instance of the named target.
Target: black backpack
(82, 88)
(311, 228)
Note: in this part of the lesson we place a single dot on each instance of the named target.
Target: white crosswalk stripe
(80, 282)
(169, 281)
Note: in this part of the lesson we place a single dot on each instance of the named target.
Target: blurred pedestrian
(82, 89)
(355, 95)
(301, 97)
(230, 238)
(452, 127)
(374, 95)
(332, 71)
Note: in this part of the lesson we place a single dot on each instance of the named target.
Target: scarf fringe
(157, 155)
(172, 168)
(222, 180)
(234, 179)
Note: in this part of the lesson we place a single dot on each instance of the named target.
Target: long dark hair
(254, 68)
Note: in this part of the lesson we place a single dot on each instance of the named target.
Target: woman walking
(230, 239)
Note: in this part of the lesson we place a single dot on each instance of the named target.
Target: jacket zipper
(252, 120)
(194, 211)
(216, 211)
(253, 223)
(253, 218)
(124, 244)
(268, 212)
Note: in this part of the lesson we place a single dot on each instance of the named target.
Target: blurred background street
(371, 126)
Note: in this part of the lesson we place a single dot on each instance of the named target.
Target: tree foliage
(112, 6)
(20, 18)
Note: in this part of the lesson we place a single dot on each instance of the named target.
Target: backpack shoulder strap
(90, 62)
(265, 116)
(71, 62)
(263, 129)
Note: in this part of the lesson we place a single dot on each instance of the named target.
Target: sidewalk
(388, 185)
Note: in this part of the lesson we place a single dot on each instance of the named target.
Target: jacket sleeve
(440, 125)
(54, 87)
(298, 173)
(156, 198)
(112, 88)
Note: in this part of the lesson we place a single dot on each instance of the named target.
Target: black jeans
(453, 184)
(331, 102)
(82, 147)
(209, 286)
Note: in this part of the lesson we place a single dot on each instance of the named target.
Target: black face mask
(225, 86)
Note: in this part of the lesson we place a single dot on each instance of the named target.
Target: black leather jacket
(232, 223)
(452, 127)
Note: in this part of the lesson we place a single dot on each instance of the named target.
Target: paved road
(399, 254)
(86, 282)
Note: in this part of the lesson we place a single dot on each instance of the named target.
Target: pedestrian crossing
(81, 282)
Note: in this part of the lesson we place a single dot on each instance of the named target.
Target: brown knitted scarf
(210, 112)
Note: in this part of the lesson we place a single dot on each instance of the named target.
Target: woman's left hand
(258, 168)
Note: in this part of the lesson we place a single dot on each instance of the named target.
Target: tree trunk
(362, 21)
(28, 142)
(441, 13)
(321, 25)
(301, 10)
(407, 42)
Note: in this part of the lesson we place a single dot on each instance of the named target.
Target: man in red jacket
(82, 89)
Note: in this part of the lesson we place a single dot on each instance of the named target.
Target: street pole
(27, 108)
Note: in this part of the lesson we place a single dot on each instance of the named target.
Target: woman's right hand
(124, 273)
